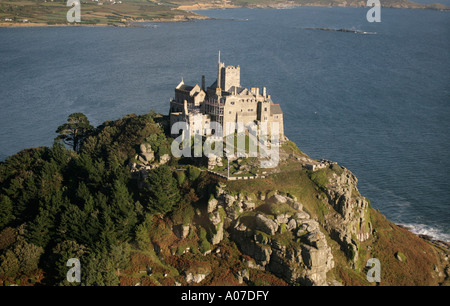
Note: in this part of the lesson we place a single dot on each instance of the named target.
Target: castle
(224, 102)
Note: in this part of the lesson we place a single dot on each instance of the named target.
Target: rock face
(266, 225)
(195, 278)
(284, 239)
(349, 224)
(288, 244)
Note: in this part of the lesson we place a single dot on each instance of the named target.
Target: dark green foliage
(6, 208)
(73, 132)
(60, 254)
(40, 229)
(142, 234)
(159, 143)
(162, 191)
(181, 177)
(84, 203)
(193, 173)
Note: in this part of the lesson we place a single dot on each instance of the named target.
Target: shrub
(193, 173)
(204, 246)
(181, 177)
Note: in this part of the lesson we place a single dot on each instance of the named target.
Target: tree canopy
(74, 130)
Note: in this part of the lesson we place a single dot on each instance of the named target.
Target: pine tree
(162, 191)
(6, 208)
(74, 130)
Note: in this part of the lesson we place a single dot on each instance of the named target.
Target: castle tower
(228, 76)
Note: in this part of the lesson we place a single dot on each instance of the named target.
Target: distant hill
(125, 12)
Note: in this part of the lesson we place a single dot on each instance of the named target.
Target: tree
(28, 255)
(6, 208)
(162, 190)
(9, 264)
(122, 210)
(74, 131)
(61, 254)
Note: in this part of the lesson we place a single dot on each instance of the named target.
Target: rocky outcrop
(288, 244)
(266, 225)
(214, 161)
(181, 231)
(195, 278)
(145, 160)
(280, 236)
(349, 223)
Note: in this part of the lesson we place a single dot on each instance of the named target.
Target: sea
(376, 99)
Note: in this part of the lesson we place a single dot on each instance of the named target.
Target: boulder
(195, 278)
(266, 225)
(217, 237)
(277, 199)
(297, 205)
(215, 218)
(301, 215)
(145, 147)
(148, 156)
(242, 276)
(291, 225)
(212, 204)
(309, 225)
(164, 159)
(316, 239)
(248, 205)
(283, 218)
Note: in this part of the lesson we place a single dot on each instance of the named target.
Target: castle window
(229, 112)
(232, 103)
(250, 109)
(265, 109)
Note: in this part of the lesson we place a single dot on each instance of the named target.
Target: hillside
(135, 215)
(125, 12)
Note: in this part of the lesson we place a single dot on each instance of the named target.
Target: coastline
(129, 24)
(426, 236)
(191, 8)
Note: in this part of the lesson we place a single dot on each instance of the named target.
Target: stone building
(224, 102)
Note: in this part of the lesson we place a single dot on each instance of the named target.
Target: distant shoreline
(202, 7)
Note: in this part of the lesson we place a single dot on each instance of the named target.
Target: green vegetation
(320, 178)
(162, 193)
(124, 12)
(74, 131)
(56, 203)
(126, 226)
(120, 13)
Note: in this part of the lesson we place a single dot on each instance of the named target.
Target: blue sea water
(378, 104)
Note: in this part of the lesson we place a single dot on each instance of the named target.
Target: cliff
(134, 215)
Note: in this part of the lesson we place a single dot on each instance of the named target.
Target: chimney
(264, 92)
(203, 82)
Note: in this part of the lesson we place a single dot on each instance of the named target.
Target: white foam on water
(423, 229)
